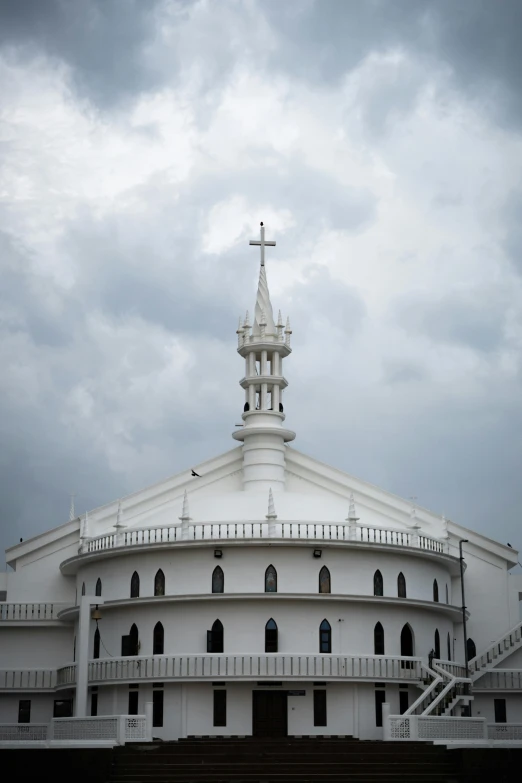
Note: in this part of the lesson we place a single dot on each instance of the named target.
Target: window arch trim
(159, 582)
(158, 639)
(98, 590)
(378, 584)
(378, 639)
(135, 585)
(271, 636)
(401, 586)
(325, 580)
(325, 637)
(218, 580)
(270, 579)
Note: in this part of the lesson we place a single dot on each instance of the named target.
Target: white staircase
(442, 694)
(498, 651)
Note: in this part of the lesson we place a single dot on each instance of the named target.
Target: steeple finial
(271, 508)
(262, 243)
(119, 524)
(288, 331)
(352, 518)
(185, 516)
(240, 332)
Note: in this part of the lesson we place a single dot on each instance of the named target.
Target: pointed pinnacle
(271, 508)
(239, 329)
(279, 319)
(351, 512)
(246, 322)
(185, 516)
(119, 523)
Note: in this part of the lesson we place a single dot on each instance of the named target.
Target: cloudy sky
(141, 143)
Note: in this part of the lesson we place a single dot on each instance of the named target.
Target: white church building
(262, 592)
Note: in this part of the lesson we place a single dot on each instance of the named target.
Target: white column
(263, 362)
(275, 396)
(275, 363)
(252, 360)
(252, 397)
(386, 728)
(264, 388)
(82, 655)
(148, 714)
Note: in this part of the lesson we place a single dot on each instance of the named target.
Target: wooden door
(269, 713)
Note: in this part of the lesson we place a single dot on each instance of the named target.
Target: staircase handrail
(443, 693)
(473, 663)
(436, 679)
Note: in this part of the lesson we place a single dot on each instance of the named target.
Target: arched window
(270, 580)
(435, 591)
(271, 636)
(159, 583)
(325, 637)
(449, 647)
(96, 648)
(437, 644)
(472, 650)
(447, 594)
(98, 590)
(134, 639)
(135, 585)
(83, 588)
(407, 640)
(401, 586)
(378, 586)
(325, 584)
(215, 638)
(218, 580)
(158, 639)
(378, 640)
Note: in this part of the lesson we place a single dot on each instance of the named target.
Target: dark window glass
(270, 580)
(159, 583)
(215, 638)
(325, 637)
(158, 640)
(271, 636)
(320, 708)
(378, 639)
(403, 702)
(96, 648)
(157, 707)
(74, 649)
(406, 646)
(401, 586)
(500, 710)
(380, 698)
(449, 647)
(435, 591)
(437, 644)
(325, 584)
(63, 708)
(218, 580)
(378, 587)
(98, 590)
(220, 707)
(135, 585)
(83, 588)
(472, 650)
(447, 595)
(133, 701)
(24, 711)
(94, 703)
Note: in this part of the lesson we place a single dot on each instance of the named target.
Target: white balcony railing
(10, 612)
(411, 728)
(505, 731)
(110, 728)
(23, 732)
(263, 530)
(500, 680)
(248, 667)
(454, 669)
(27, 679)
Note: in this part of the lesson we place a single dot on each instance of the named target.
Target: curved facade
(259, 572)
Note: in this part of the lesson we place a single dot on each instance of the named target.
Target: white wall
(483, 706)
(42, 705)
(36, 647)
(38, 578)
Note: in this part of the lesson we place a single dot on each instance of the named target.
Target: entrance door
(269, 713)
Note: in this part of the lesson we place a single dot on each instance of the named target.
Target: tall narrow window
(437, 644)
(449, 647)
(83, 588)
(378, 586)
(63, 708)
(380, 698)
(215, 638)
(435, 591)
(96, 647)
(135, 585)
(24, 711)
(401, 586)
(158, 639)
(447, 594)
(471, 648)
(98, 590)
(270, 580)
(94, 702)
(218, 580)
(403, 701)
(325, 637)
(157, 705)
(159, 583)
(133, 700)
(325, 584)
(130, 643)
(271, 636)
(500, 710)
(407, 646)
(378, 639)
(220, 707)
(320, 708)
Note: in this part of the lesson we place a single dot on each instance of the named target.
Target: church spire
(263, 349)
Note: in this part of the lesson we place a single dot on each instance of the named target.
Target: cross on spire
(262, 244)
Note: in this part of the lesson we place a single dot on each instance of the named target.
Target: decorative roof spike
(288, 331)
(119, 524)
(262, 325)
(240, 332)
(351, 511)
(414, 522)
(84, 528)
(280, 326)
(72, 514)
(185, 516)
(271, 508)
(246, 322)
(280, 320)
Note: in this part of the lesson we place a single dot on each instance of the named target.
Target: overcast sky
(142, 142)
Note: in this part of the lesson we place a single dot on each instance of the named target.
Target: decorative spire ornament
(262, 324)
(271, 508)
(352, 519)
(414, 522)
(280, 327)
(119, 524)
(239, 332)
(288, 332)
(185, 516)
(72, 514)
